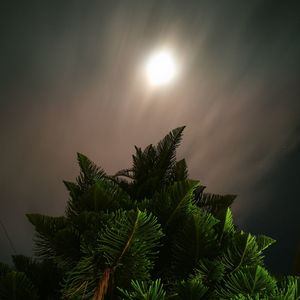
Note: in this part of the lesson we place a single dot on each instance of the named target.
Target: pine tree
(147, 232)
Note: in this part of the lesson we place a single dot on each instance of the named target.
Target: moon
(160, 68)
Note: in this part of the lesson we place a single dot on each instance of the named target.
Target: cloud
(74, 84)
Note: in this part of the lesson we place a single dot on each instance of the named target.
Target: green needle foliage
(145, 290)
(145, 233)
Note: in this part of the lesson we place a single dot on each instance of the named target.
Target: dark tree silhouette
(147, 232)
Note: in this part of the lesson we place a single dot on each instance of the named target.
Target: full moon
(160, 68)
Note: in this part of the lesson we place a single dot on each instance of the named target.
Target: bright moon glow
(160, 68)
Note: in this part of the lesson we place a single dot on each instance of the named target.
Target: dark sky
(72, 81)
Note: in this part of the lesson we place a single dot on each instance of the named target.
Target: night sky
(72, 81)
